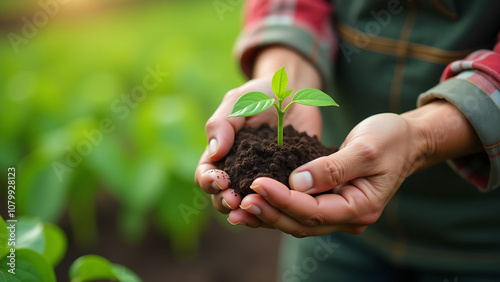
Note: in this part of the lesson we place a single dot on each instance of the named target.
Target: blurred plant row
(30, 249)
(67, 127)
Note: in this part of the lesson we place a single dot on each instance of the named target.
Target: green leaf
(46, 239)
(4, 251)
(124, 274)
(110, 162)
(286, 93)
(313, 97)
(55, 243)
(251, 104)
(279, 83)
(183, 214)
(92, 267)
(43, 194)
(149, 174)
(4, 233)
(30, 235)
(81, 206)
(30, 267)
(4, 238)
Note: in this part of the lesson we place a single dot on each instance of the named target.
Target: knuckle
(314, 220)
(284, 204)
(369, 218)
(301, 234)
(273, 218)
(212, 123)
(233, 94)
(369, 151)
(331, 170)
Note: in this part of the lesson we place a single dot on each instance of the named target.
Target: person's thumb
(327, 172)
(220, 135)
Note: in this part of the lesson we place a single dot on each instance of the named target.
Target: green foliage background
(62, 84)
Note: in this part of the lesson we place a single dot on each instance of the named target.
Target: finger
(230, 199)
(208, 177)
(274, 217)
(350, 207)
(241, 217)
(220, 129)
(217, 203)
(327, 172)
(226, 200)
(220, 134)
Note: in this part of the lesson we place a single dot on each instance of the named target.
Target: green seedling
(256, 102)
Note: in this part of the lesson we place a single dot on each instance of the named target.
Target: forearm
(442, 132)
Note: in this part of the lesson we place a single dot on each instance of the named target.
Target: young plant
(256, 102)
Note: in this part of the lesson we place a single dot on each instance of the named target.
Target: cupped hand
(375, 158)
(221, 131)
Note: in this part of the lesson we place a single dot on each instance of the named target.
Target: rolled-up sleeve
(302, 25)
(473, 86)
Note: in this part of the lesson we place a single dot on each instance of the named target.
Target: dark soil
(255, 154)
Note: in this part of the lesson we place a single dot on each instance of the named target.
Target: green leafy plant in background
(92, 267)
(39, 246)
(253, 103)
(64, 84)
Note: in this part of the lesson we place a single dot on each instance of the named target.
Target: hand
(375, 158)
(221, 130)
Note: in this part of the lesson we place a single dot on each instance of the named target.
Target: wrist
(440, 131)
(301, 73)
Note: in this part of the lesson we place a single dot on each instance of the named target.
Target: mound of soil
(255, 154)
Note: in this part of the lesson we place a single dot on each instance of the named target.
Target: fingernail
(259, 190)
(237, 223)
(216, 185)
(212, 147)
(225, 204)
(302, 181)
(253, 209)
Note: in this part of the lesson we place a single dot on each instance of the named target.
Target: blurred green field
(69, 78)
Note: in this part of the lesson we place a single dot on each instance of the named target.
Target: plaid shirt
(308, 20)
(306, 26)
(481, 69)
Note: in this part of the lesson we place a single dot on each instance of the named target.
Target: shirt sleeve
(302, 25)
(473, 86)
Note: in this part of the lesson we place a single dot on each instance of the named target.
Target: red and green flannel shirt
(389, 56)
